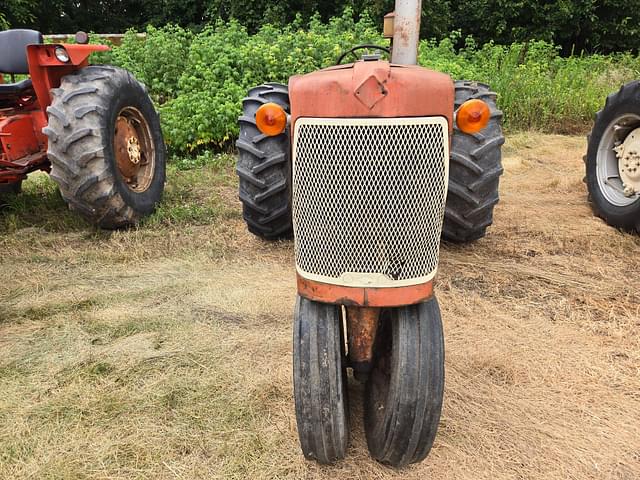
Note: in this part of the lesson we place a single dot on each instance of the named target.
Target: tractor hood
(371, 89)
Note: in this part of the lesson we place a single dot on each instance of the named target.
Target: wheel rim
(134, 149)
(607, 164)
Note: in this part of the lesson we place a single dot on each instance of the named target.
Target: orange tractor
(93, 127)
(368, 164)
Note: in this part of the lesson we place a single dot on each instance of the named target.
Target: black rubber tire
(320, 381)
(474, 170)
(626, 100)
(264, 167)
(81, 131)
(404, 392)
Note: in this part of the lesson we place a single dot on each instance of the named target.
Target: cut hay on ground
(165, 353)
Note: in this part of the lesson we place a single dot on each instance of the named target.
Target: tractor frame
(23, 109)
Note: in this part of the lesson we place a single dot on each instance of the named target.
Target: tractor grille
(368, 199)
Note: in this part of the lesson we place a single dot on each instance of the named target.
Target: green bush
(536, 87)
(224, 61)
(199, 79)
(158, 60)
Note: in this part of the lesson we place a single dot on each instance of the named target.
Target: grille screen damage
(368, 199)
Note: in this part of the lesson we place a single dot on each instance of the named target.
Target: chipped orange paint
(404, 91)
(364, 296)
(368, 89)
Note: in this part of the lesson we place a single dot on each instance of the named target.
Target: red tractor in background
(93, 127)
(368, 164)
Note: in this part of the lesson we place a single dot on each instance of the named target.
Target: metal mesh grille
(368, 198)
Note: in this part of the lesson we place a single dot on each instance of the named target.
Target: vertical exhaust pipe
(406, 32)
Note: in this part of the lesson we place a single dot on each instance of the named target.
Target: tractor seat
(24, 87)
(13, 50)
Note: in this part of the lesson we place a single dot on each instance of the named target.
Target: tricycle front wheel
(320, 381)
(405, 389)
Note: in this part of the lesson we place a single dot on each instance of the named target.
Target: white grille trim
(332, 167)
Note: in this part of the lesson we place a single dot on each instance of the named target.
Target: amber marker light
(473, 115)
(271, 119)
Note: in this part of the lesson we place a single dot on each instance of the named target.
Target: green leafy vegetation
(198, 76)
(603, 26)
(537, 88)
(224, 61)
(199, 79)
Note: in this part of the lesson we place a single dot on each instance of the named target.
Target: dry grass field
(164, 352)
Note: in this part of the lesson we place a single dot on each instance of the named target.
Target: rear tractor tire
(405, 389)
(106, 148)
(474, 170)
(613, 176)
(264, 167)
(320, 381)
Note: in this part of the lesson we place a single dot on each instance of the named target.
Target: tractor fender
(46, 71)
(43, 55)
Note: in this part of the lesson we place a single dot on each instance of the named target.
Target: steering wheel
(362, 47)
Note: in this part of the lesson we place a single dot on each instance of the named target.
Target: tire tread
(320, 382)
(264, 168)
(627, 218)
(88, 186)
(475, 170)
(408, 427)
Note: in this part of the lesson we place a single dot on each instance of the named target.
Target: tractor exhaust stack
(406, 32)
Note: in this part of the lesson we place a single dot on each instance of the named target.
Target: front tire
(405, 389)
(320, 381)
(606, 192)
(105, 146)
(474, 170)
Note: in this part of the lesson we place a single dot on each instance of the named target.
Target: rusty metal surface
(364, 297)
(372, 90)
(362, 325)
(406, 31)
(394, 91)
(123, 134)
(134, 150)
(11, 172)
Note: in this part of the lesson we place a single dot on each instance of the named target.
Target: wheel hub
(628, 154)
(615, 159)
(134, 151)
(133, 148)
